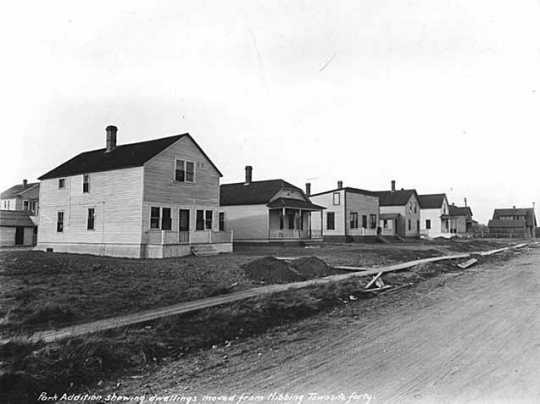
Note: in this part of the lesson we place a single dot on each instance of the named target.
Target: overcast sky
(440, 95)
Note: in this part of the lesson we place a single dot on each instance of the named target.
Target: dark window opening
(166, 222)
(199, 225)
(86, 183)
(154, 218)
(60, 222)
(221, 221)
(208, 219)
(330, 221)
(364, 221)
(91, 219)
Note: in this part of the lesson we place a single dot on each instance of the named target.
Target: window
(208, 219)
(364, 221)
(199, 224)
(184, 171)
(409, 224)
(337, 198)
(166, 219)
(372, 221)
(385, 223)
(61, 183)
(25, 205)
(190, 171)
(154, 217)
(91, 219)
(428, 224)
(281, 224)
(221, 221)
(86, 183)
(330, 221)
(354, 220)
(60, 222)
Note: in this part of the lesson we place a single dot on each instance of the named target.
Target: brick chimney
(308, 188)
(465, 201)
(249, 171)
(111, 138)
(340, 184)
(393, 185)
(25, 182)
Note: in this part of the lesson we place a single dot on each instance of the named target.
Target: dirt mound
(312, 267)
(271, 270)
(401, 277)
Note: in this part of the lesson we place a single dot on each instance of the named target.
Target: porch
(169, 243)
(290, 220)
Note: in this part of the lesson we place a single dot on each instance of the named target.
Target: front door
(19, 235)
(183, 225)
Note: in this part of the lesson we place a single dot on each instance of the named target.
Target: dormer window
(184, 171)
(86, 183)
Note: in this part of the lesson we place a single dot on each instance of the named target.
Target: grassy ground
(77, 364)
(42, 290)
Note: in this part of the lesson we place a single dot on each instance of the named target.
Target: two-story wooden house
(434, 215)
(399, 212)
(351, 214)
(23, 196)
(152, 199)
(513, 222)
(268, 211)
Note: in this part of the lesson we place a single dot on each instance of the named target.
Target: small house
(268, 211)
(150, 199)
(461, 221)
(23, 196)
(350, 214)
(399, 212)
(434, 215)
(513, 222)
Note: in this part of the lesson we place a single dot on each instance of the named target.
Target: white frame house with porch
(268, 211)
(153, 199)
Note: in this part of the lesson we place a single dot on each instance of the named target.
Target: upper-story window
(86, 183)
(184, 171)
(61, 183)
(336, 198)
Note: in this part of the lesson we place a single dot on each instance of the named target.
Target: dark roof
(14, 218)
(395, 198)
(255, 193)
(293, 203)
(389, 216)
(15, 190)
(520, 223)
(431, 201)
(527, 213)
(454, 210)
(123, 156)
(348, 189)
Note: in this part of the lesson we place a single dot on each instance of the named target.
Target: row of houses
(163, 198)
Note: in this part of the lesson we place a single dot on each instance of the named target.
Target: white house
(152, 199)
(399, 212)
(268, 211)
(434, 215)
(351, 214)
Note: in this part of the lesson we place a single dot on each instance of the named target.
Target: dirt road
(474, 338)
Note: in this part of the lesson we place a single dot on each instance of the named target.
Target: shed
(16, 229)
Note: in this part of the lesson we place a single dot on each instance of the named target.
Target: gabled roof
(454, 210)
(293, 203)
(431, 201)
(395, 198)
(123, 156)
(347, 189)
(254, 193)
(18, 189)
(527, 213)
(15, 218)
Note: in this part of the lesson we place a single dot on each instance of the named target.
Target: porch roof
(293, 203)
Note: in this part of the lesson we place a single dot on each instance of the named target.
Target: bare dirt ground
(459, 337)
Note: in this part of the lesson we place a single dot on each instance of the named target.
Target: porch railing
(164, 237)
(290, 234)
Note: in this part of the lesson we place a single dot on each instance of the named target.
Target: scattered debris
(468, 263)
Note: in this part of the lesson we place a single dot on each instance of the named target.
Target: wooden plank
(372, 281)
(468, 263)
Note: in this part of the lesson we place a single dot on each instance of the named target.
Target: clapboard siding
(115, 195)
(327, 200)
(248, 222)
(364, 205)
(161, 187)
(407, 213)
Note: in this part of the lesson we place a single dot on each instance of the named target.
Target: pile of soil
(312, 267)
(400, 277)
(271, 270)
